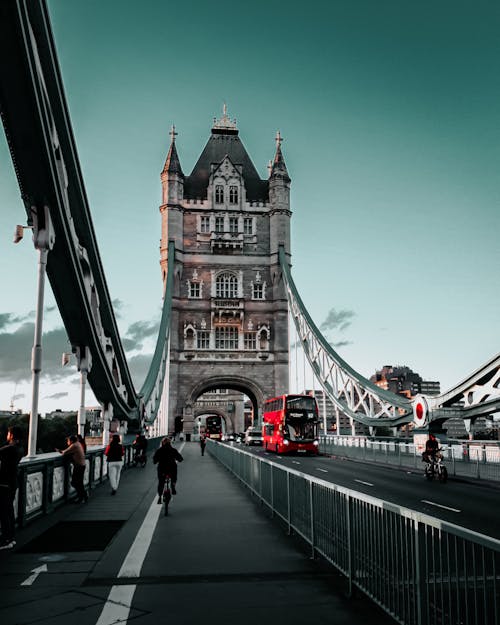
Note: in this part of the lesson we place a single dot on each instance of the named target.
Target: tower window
(258, 291)
(194, 290)
(233, 224)
(250, 340)
(205, 224)
(226, 337)
(248, 225)
(219, 224)
(219, 194)
(203, 339)
(226, 285)
(233, 194)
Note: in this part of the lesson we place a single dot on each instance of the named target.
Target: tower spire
(172, 163)
(278, 167)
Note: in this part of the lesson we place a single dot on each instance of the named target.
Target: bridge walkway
(217, 557)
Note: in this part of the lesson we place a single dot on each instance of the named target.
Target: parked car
(253, 436)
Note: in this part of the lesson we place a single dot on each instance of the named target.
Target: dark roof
(222, 143)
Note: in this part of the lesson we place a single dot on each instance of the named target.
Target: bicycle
(167, 493)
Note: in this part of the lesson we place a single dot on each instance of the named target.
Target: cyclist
(166, 457)
(431, 448)
(140, 446)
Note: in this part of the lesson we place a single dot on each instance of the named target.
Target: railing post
(419, 581)
(350, 555)
(288, 503)
(272, 491)
(311, 511)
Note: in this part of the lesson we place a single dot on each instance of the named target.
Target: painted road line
(34, 574)
(117, 606)
(365, 483)
(295, 462)
(323, 470)
(438, 505)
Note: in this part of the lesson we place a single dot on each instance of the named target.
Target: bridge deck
(216, 557)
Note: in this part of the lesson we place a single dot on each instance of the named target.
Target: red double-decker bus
(213, 428)
(290, 424)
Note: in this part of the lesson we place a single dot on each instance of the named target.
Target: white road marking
(295, 462)
(365, 483)
(318, 469)
(117, 606)
(34, 574)
(438, 505)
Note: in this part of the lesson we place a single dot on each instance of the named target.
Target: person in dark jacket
(203, 444)
(10, 455)
(114, 455)
(166, 457)
(431, 448)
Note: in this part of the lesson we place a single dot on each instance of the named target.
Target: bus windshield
(301, 403)
(300, 429)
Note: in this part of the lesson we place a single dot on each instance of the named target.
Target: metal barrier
(420, 570)
(44, 482)
(462, 458)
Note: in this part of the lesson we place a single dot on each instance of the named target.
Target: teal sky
(390, 113)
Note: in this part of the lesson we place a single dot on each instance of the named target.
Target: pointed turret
(279, 200)
(172, 177)
(278, 167)
(172, 184)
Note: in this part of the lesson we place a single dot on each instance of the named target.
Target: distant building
(401, 380)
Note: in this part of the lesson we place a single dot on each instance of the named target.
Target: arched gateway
(229, 311)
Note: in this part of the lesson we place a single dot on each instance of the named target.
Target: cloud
(337, 320)
(49, 309)
(56, 396)
(139, 367)
(340, 344)
(18, 396)
(139, 331)
(7, 319)
(117, 307)
(15, 353)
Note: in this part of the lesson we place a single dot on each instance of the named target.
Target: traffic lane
(472, 506)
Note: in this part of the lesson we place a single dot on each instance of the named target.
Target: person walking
(166, 457)
(10, 455)
(203, 444)
(114, 455)
(74, 451)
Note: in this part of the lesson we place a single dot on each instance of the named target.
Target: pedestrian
(10, 455)
(114, 455)
(74, 451)
(203, 444)
(82, 442)
(166, 457)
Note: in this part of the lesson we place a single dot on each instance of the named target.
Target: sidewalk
(216, 557)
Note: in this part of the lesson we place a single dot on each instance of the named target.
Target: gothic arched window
(226, 285)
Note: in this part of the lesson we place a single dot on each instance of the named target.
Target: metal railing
(420, 570)
(462, 458)
(45, 482)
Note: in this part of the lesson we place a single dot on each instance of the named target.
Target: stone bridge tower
(229, 312)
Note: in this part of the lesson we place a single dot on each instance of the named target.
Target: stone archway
(236, 383)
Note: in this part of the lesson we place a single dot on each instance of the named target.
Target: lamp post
(43, 239)
(84, 364)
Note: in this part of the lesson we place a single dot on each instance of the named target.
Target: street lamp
(84, 364)
(43, 239)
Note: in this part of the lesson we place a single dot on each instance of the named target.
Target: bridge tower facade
(229, 313)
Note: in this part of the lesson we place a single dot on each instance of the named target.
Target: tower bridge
(225, 260)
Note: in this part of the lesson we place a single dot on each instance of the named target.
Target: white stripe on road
(365, 483)
(295, 462)
(117, 606)
(324, 470)
(438, 505)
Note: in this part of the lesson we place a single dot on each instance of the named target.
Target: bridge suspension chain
(349, 391)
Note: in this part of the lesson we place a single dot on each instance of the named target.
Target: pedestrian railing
(45, 481)
(462, 459)
(420, 570)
